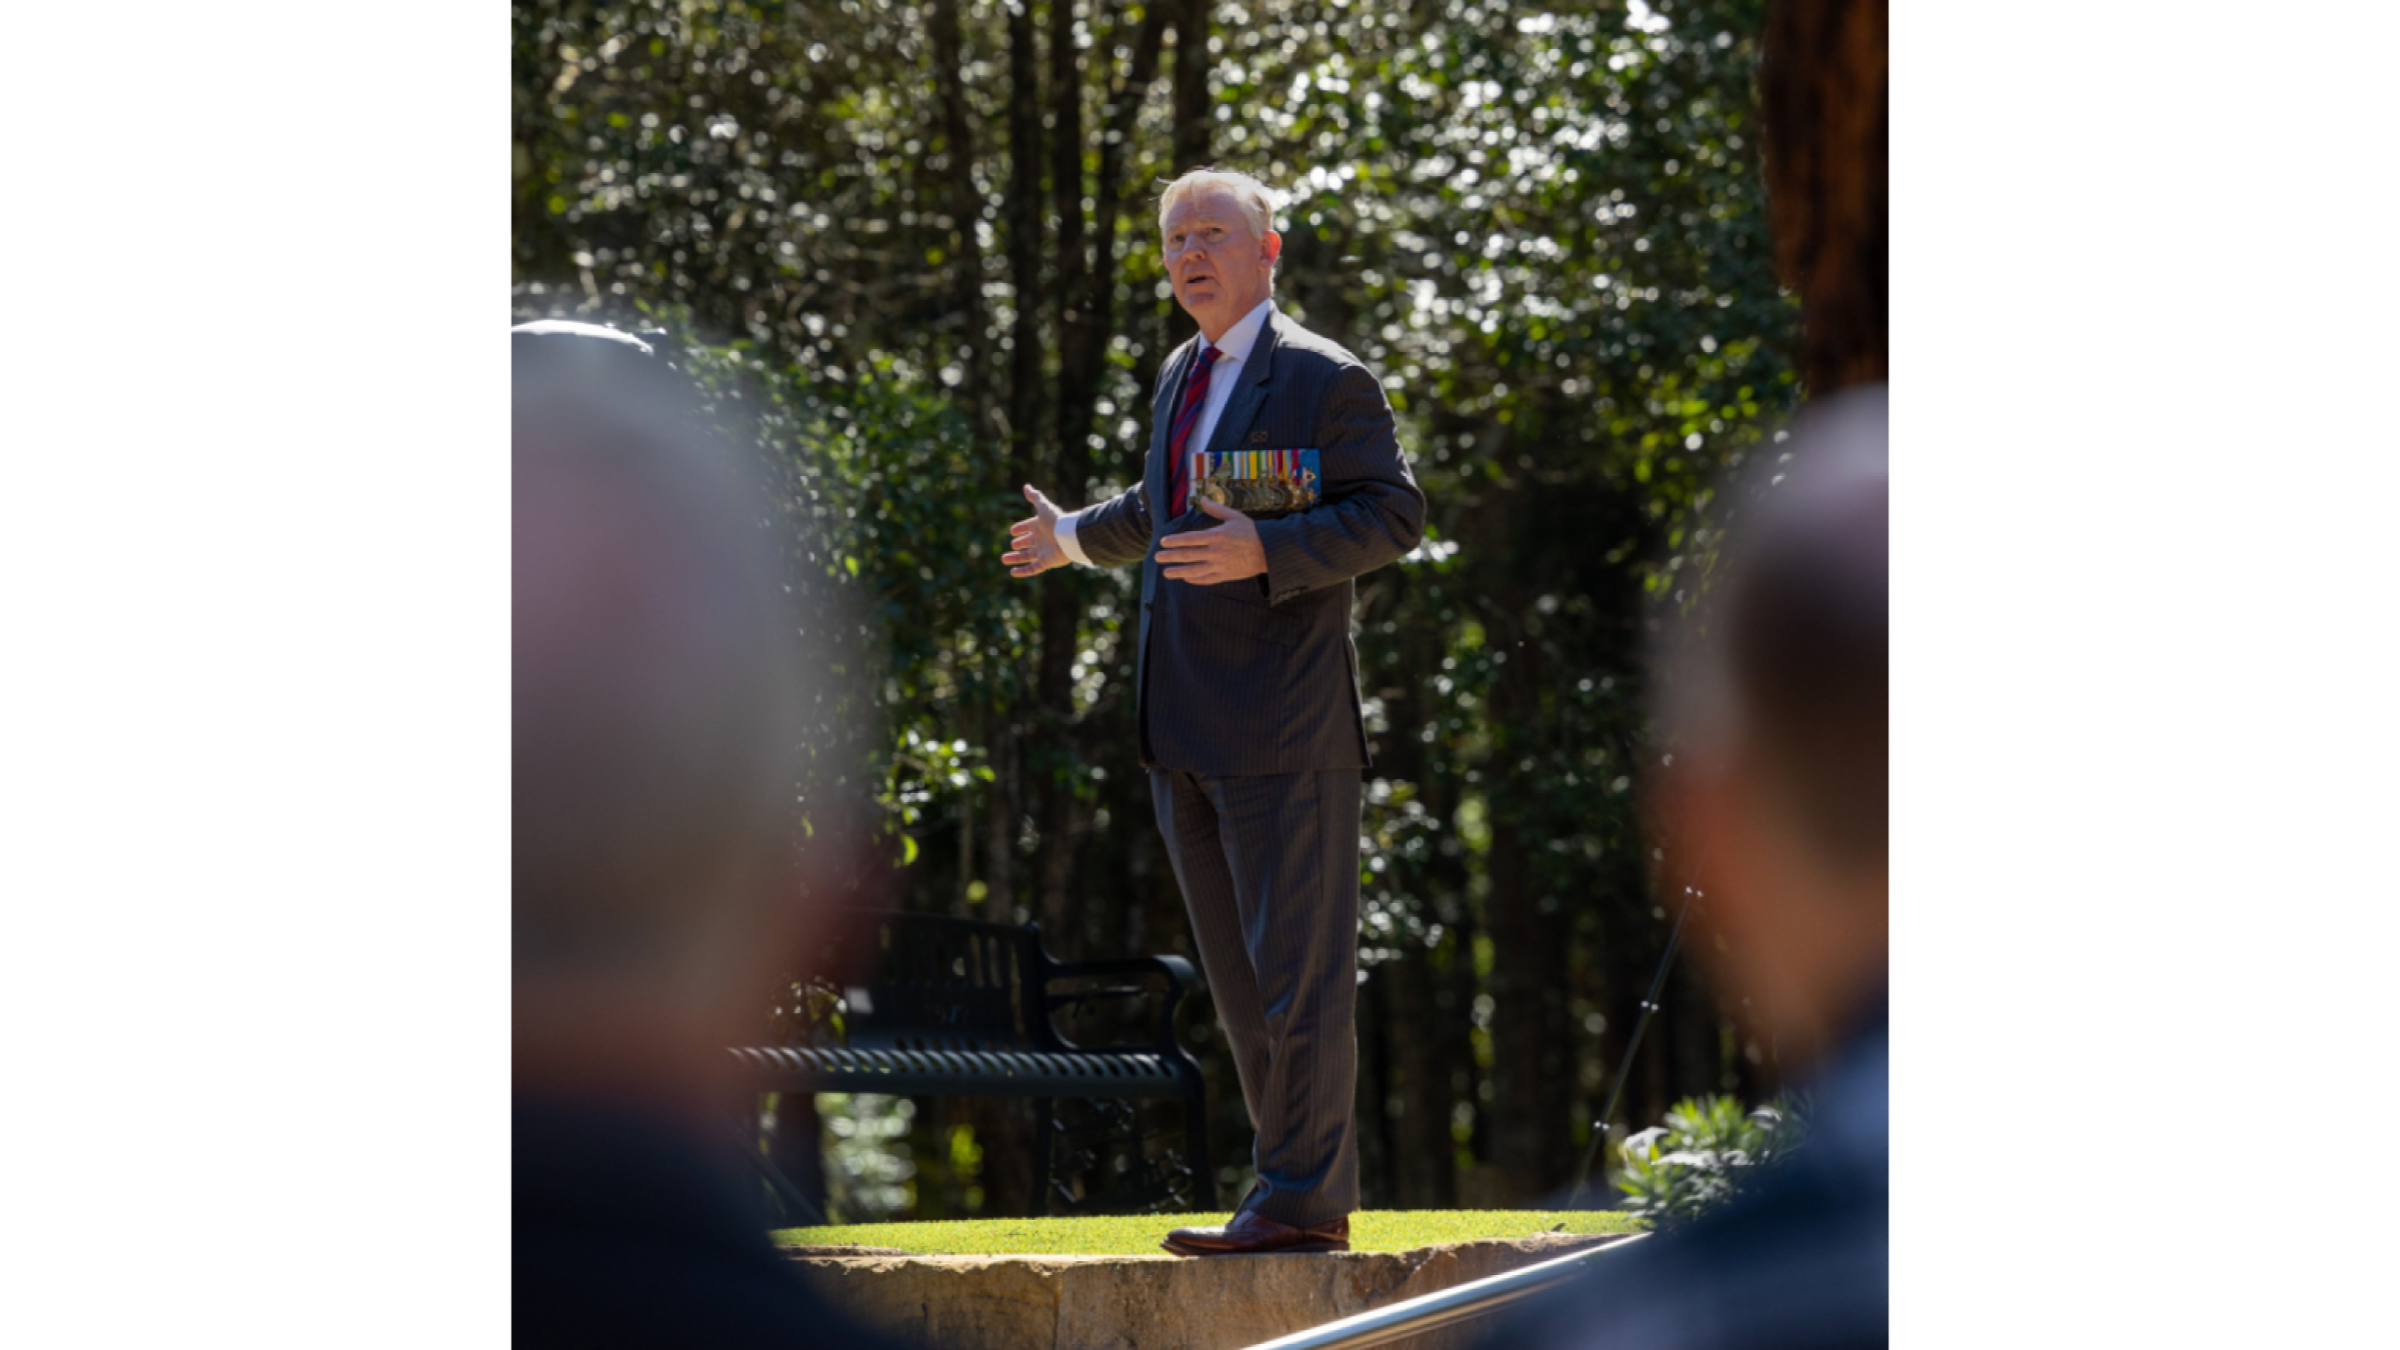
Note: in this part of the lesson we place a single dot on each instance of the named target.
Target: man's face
(1221, 268)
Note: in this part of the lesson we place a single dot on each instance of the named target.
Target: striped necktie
(1179, 464)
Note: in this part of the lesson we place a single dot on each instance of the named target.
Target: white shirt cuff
(1066, 539)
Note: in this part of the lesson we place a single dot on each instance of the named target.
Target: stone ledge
(1158, 1302)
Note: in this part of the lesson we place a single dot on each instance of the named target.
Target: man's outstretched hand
(1033, 544)
(1227, 552)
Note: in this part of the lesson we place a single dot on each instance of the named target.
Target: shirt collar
(1240, 338)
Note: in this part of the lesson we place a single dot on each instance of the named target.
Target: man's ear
(1271, 245)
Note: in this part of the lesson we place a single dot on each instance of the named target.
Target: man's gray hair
(1257, 203)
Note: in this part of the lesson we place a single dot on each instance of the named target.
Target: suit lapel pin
(1258, 438)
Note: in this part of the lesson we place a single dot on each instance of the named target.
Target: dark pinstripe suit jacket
(1260, 675)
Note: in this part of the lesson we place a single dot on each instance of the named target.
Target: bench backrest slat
(939, 983)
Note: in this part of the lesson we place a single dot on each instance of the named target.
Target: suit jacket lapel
(1243, 407)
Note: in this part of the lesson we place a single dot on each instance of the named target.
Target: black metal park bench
(964, 1007)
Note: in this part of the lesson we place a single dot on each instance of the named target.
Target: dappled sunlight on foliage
(924, 235)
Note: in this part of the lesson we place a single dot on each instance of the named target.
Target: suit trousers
(1268, 864)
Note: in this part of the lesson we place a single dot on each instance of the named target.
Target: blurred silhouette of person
(1773, 803)
(658, 677)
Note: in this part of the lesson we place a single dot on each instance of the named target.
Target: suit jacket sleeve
(1117, 531)
(1370, 509)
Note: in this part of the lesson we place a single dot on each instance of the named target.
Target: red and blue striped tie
(1179, 464)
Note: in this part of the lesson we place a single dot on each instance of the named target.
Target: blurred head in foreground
(1772, 805)
(657, 683)
(1774, 699)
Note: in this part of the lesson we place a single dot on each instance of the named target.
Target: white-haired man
(1247, 692)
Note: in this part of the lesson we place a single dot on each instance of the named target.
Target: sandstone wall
(1156, 1302)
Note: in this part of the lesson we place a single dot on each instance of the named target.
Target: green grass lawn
(1385, 1231)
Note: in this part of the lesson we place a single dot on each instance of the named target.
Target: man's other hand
(1033, 544)
(1228, 552)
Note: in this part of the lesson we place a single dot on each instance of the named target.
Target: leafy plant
(1704, 1154)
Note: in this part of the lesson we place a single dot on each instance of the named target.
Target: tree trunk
(1089, 306)
(1531, 1063)
(1066, 824)
(796, 1146)
(1823, 82)
(1529, 1060)
(1413, 1014)
(1456, 1027)
(963, 904)
(1424, 1161)
(1085, 294)
(1373, 1091)
(1068, 267)
(1190, 145)
(1061, 594)
(1004, 1127)
(1001, 825)
(966, 207)
(1024, 216)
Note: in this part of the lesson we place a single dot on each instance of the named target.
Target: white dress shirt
(1232, 349)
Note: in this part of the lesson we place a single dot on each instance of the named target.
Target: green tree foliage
(926, 231)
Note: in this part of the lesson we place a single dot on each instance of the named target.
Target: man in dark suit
(657, 681)
(1247, 689)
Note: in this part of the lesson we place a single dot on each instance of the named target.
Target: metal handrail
(1476, 1298)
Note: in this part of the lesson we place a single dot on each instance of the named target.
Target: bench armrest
(1175, 968)
(1181, 979)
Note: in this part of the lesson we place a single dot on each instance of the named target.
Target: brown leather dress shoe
(1252, 1235)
